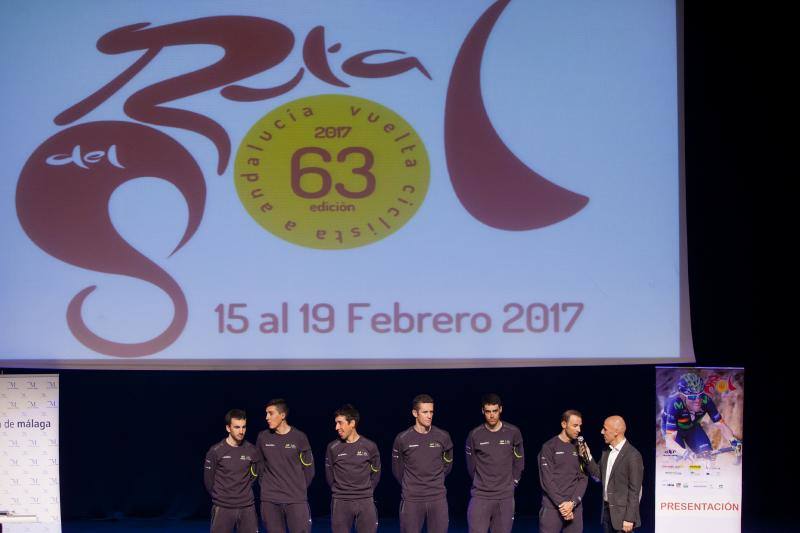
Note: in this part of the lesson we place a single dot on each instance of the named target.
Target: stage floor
(319, 526)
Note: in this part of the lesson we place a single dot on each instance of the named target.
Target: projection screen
(342, 184)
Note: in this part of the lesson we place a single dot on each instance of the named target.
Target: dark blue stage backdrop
(134, 442)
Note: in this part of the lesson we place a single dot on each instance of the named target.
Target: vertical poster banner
(699, 431)
(30, 496)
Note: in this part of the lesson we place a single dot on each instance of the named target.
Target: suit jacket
(624, 486)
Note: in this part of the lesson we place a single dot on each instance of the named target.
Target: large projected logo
(62, 203)
(357, 172)
(352, 172)
(492, 183)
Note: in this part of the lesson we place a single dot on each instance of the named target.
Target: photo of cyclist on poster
(684, 411)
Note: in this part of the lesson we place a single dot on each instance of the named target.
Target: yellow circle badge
(332, 172)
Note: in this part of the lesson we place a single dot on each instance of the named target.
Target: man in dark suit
(620, 471)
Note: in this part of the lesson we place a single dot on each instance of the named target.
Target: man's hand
(627, 527)
(570, 516)
(565, 508)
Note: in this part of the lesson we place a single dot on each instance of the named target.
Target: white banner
(699, 423)
(30, 497)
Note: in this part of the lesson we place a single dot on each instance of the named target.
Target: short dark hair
(570, 412)
(279, 404)
(235, 413)
(349, 413)
(420, 398)
(491, 399)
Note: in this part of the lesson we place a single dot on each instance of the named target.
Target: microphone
(582, 448)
